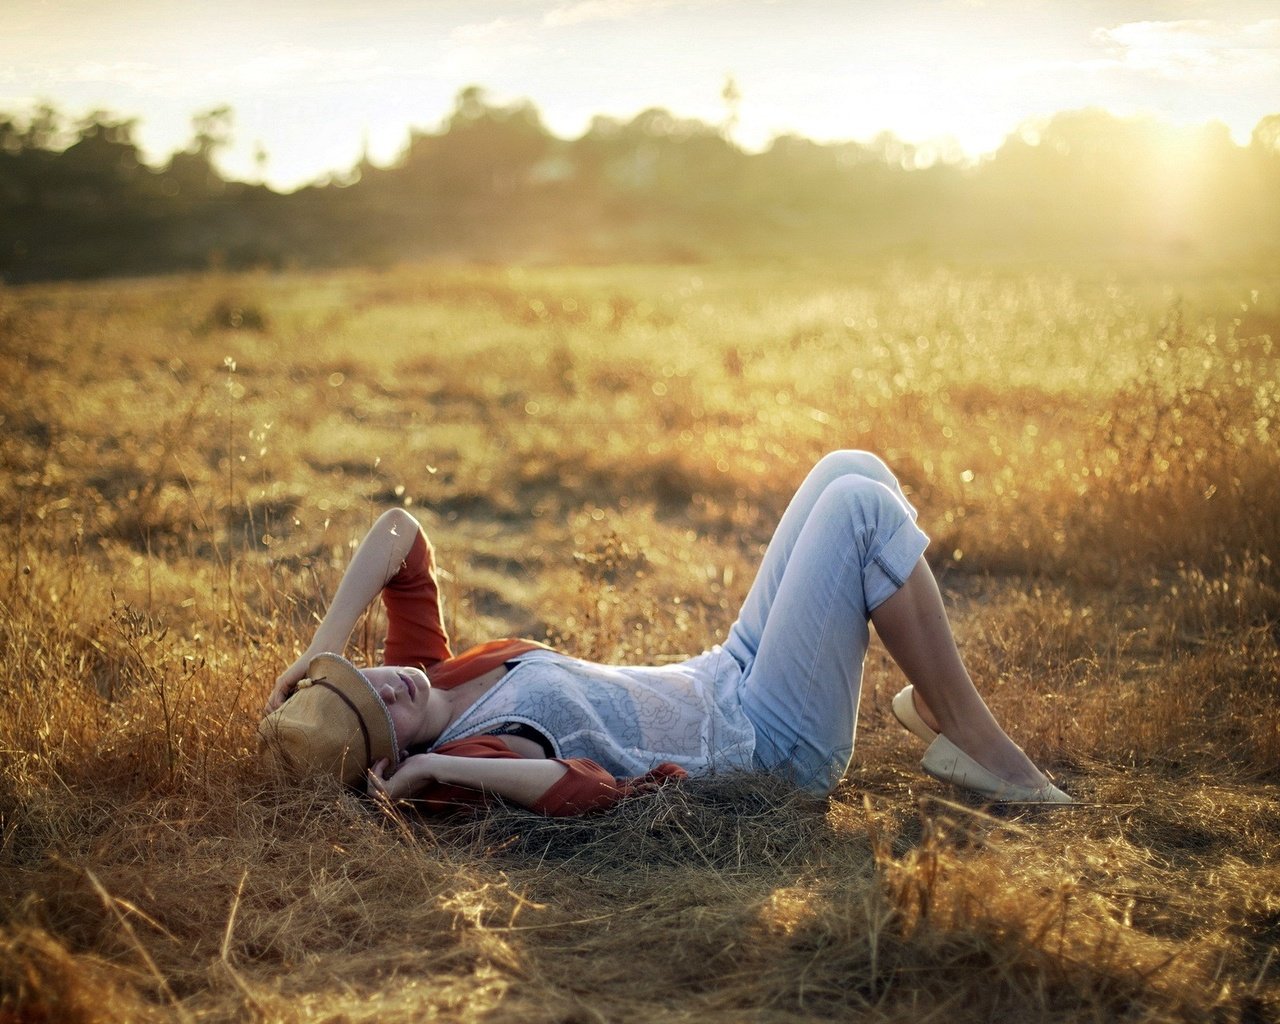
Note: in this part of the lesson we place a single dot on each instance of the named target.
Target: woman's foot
(948, 763)
(995, 754)
(999, 755)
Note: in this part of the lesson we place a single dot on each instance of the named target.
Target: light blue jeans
(847, 541)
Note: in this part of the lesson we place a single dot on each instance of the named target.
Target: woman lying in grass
(515, 719)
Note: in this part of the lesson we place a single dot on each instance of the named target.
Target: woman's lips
(408, 686)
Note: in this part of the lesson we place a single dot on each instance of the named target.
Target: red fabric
(476, 661)
(415, 630)
(416, 636)
(587, 787)
(583, 788)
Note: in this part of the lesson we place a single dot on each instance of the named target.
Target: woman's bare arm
(520, 780)
(378, 558)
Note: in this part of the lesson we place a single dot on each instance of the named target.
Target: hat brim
(334, 723)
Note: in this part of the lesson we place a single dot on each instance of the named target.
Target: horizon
(316, 86)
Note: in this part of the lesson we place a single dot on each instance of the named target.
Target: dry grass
(599, 455)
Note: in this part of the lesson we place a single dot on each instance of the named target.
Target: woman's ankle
(1000, 756)
(924, 711)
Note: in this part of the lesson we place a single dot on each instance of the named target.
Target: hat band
(364, 730)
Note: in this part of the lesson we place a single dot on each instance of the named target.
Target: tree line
(492, 183)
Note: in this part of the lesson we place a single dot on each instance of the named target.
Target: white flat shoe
(948, 763)
(904, 710)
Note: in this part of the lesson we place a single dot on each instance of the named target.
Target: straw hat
(334, 723)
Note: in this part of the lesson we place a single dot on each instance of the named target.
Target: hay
(152, 582)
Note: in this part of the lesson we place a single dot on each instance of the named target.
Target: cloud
(117, 72)
(294, 64)
(482, 31)
(276, 68)
(600, 10)
(1194, 48)
(51, 75)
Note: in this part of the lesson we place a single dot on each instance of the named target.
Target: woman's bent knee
(398, 521)
(854, 462)
(867, 502)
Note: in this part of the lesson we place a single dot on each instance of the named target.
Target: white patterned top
(628, 720)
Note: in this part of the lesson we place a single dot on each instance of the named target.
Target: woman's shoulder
(478, 660)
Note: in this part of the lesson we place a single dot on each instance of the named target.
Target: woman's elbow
(398, 521)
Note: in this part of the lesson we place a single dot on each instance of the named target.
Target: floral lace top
(628, 720)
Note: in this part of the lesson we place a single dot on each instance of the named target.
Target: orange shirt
(416, 636)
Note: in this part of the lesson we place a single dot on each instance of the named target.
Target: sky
(313, 83)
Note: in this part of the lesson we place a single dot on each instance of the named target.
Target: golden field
(599, 455)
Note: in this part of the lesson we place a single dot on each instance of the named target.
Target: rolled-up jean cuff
(805, 766)
(892, 564)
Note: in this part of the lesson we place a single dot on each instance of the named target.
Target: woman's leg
(847, 542)
(846, 549)
(913, 625)
(745, 634)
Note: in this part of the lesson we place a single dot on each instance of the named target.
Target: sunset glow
(314, 84)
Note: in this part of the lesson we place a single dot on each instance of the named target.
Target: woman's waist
(564, 696)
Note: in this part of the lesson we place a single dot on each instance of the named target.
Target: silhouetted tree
(1266, 135)
(77, 199)
(485, 150)
(732, 97)
(191, 171)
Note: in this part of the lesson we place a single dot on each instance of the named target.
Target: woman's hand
(412, 773)
(521, 780)
(286, 681)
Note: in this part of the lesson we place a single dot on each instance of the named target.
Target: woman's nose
(387, 694)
